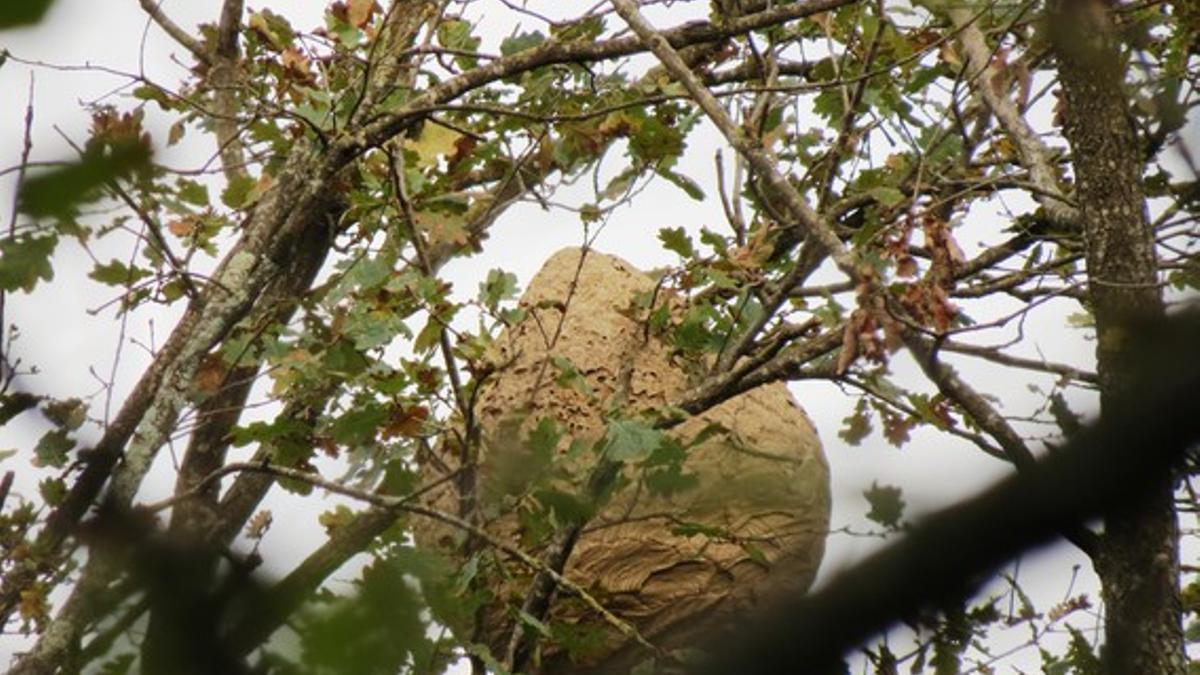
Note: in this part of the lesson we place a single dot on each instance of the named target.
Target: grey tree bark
(1138, 560)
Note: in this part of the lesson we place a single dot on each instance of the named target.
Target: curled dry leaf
(258, 525)
(850, 341)
(210, 375)
(360, 12)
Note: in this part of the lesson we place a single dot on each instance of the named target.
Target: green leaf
(22, 12)
(57, 193)
(532, 622)
(148, 92)
(655, 142)
(434, 142)
(499, 286)
(52, 448)
(570, 377)
(828, 104)
(588, 28)
(887, 505)
(192, 192)
(274, 30)
(343, 359)
(15, 403)
(24, 260)
(375, 328)
(369, 273)
(289, 439)
(545, 436)
(671, 480)
(857, 425)
(690, 529)
(630, 440)
(237, 191)
(922, 77)
(69, 414)
(676, 240)
(519, 43)
(456, 34)
(568, 509)
(429, 337)
(377, 630)
(887, 196)
(358, 426)
(684, 183)
(484, 654)
(620, 184)
(53, 490)
(116, 273)
(756, 554)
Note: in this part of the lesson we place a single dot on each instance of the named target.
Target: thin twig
(405, 504)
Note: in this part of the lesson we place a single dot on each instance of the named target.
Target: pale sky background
(65, 342)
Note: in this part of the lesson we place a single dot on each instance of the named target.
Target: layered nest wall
(754, 522)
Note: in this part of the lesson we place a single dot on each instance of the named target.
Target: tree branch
(392, 503)
(945, 557)
(985, 76)
(987, 418)
(178, 34)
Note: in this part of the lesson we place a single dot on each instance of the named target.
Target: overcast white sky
(66, 342)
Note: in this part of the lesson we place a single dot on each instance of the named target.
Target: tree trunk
(1138, 561)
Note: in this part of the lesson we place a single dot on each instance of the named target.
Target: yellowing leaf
(176, 132)
(182, 227)
(435, 141)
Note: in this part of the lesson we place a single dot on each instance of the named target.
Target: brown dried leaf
(849, 342)
(210, 375)
(176, 132)
(296, 65)
(360, 12)
(258, 525)
(33, 606)
(181, 227)
(406, 422)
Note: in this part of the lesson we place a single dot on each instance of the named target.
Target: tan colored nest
(762, 489)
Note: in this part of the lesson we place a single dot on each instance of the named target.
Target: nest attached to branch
(754, 521)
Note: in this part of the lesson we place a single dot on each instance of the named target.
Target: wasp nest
(749, 510)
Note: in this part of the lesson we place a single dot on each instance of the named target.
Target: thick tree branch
(985, 417)
(153, 9)
(986, 79)
(553, 52)
(945, 557)
(223, 80)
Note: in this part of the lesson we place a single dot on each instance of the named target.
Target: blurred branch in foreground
(948, 555)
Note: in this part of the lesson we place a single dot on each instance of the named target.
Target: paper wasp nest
(761, 488)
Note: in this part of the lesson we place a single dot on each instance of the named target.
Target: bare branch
(987, 418)
(986, 78)
(815, 225)
(153, 9)
(995, 355)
